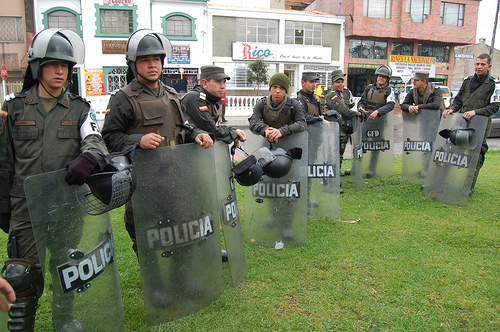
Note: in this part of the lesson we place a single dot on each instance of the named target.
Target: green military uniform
(480, 101)
(432, 98)
(204, 112)
(135, 111)
(289, 119)
(34, 141)
(342, 103)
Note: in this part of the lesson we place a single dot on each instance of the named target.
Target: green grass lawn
(409, 264)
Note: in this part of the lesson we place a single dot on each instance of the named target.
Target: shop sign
(281, 53)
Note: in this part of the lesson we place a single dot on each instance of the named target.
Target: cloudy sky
(486, 20)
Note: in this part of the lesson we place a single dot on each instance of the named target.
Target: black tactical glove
(80, 168)
(363, 116)
(5, 222)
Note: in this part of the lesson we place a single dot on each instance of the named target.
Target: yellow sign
(412, 59)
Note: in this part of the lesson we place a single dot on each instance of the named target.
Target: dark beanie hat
(281, 80)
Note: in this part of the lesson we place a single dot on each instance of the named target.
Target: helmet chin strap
(55, 97)
(147, 79)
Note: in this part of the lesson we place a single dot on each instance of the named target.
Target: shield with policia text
(419, 132)
(378, 146)
(177, 225)
(276, 208)
(229, 214)
(357, 153)
(78, 251)
(323, 185)
(454, 158)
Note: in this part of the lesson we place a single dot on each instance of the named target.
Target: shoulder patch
(203, 108)
(335, 97)
(10, 96)
(3, 114)
(203, 95)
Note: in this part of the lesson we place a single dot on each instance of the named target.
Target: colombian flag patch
(335, 97)
(3, 114)
(203, 108)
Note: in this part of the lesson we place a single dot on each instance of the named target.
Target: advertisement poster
(94, 82)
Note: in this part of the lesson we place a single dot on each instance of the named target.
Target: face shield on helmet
(55, 44)
(146, 42)
(461, 137)
(110, 188)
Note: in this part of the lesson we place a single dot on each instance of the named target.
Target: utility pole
(494, 30)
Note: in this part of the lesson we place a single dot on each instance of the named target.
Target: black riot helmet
(384, 70)
(110, 188)
(248, 172)
(461, 137)
(53, 45)
(277, 162)
(145, 42)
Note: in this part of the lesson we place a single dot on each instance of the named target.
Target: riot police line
(181, 195)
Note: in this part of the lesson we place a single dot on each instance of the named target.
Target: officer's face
(381, 80)
(481, 67)
(150, 67)
(277, 93)
(419, 84)
(54, 74)
(338, 85)
(214, 87)
(308, 86)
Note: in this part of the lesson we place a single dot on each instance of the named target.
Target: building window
(418, 9)
(238, 73)
(179, 26)
(63, 18)
(256, 30)
(116, 78)
(377, 8)
(402, 48)
(367, 49)
(11, 29)
(452, 13)
(303, 33)
(119, 21)
(440, 52)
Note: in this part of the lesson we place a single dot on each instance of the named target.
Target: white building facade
(201, 33)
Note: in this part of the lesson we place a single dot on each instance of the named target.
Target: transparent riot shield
(323, 185)
(419, 132)
(276, 208)
(378, 146)
(78, 251)
(229, 214)
(357, 153)
(177, 226)
(452, 167)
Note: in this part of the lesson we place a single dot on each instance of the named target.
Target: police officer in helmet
(43, 128)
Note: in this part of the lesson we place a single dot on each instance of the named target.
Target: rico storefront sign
(284, 53)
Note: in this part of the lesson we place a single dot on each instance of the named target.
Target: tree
(257, 73)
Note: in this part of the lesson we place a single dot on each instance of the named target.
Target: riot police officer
(376, 101)
(146, 113)
(43, 128)
(340, 99)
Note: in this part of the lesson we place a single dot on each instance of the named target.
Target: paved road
(242, 122)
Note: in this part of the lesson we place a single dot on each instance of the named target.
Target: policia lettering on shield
(43, 128)
(475, 98)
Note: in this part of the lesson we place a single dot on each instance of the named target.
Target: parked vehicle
(495, 125)
(446, 94)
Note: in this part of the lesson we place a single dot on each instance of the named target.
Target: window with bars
(11, 29)
(116, 79)
(367, 49)
(452, 13)
(178, 26)
(256, 30)
(303, 33)
(418, 9)
(116, 22)
(63, 19)
(440, 52)
(402, 48)
(377, 8)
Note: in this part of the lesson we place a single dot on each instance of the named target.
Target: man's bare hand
(151, 141)
(446, 112)
(204, 140)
